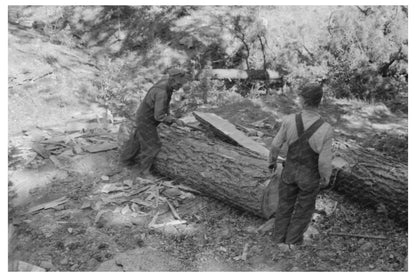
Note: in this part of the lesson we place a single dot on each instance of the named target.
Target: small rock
(46, 264)
(295, 268)
(405, 264)
(70, 230)
(362, 241)
(172, 192)
(64, 261)
(251, 229)
(86, 205)
(105, 178)
(222, 249)
(366, 246)
(91, 263)
(225, 233)
(74, 267)
(310, 233)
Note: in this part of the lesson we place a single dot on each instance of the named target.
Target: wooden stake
(172, 209)
(356, 235)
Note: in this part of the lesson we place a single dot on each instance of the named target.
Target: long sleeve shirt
(320, 141)
(154, 108)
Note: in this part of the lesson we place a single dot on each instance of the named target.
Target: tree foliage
(357, 51)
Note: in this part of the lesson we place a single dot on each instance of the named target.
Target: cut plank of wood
(100, 147)
(48, 205)
(225, 128)
(170, 223)
(356, 235)
(41, 150)
(25, 267)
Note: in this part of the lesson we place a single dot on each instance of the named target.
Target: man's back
(317, 140)
(155, 104)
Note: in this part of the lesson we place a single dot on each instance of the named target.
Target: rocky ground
(105, 220)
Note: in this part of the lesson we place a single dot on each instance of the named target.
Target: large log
(240, 177)
(230, 173)
(233, 174)
(360, 173)
(373, 179)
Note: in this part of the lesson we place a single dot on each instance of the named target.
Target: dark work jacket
(154, 108)
(302, 162)
(144, 141)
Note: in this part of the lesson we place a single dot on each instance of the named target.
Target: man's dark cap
(176, 72)
(312, 93)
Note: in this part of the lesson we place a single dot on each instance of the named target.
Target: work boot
(147, 175)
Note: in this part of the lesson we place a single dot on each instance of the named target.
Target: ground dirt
(100, 230)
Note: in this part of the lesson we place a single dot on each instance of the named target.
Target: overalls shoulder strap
(299, 125)
(312, 129)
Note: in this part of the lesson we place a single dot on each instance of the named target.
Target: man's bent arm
(325, 158)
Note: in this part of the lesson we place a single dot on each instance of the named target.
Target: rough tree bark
(226, 172)
(374, 179)
(240, 177)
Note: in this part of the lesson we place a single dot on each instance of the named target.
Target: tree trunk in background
(245, 74)
(373, 179)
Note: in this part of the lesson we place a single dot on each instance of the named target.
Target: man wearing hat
(144, 143)
(307, 167)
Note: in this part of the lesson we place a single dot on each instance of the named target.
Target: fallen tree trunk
(374, 179)
(360, 173)
(240, 176)
(226, 172)
(245, 74)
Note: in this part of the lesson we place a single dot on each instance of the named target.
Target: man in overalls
(144, 143)
(307, 167)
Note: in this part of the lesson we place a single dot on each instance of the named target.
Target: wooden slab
(224, 128)
(94, 148)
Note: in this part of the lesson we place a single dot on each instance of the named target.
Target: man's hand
(272, 167)
(180, 123)
(323, 183)
(168, 120)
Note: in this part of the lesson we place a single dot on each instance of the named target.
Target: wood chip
(172, 209)
(48, 205)
(55, 161)
(125, 210)
(100, 147)
(77, 149)
(245, 252)
(142, 202)
(153, 221)
(267, 226)
(170, 223)
(41, 150)
(141, 190)
(112, 187)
